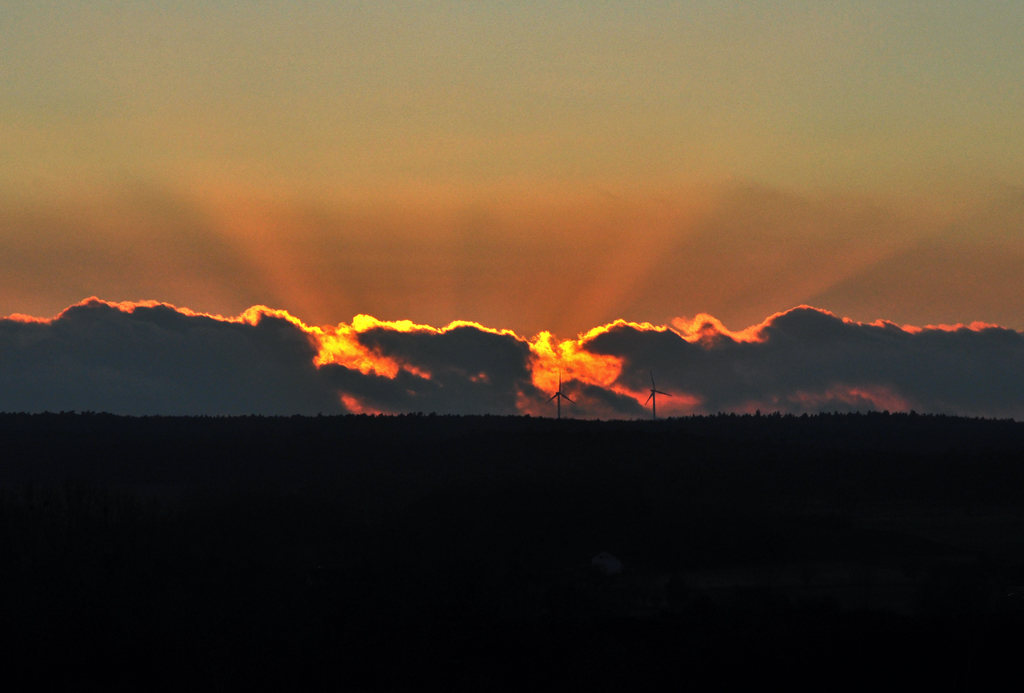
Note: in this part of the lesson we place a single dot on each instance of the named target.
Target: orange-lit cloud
(151, 357)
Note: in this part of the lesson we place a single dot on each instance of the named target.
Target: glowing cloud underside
(154, 358)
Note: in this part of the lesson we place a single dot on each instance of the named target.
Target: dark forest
(395, 553)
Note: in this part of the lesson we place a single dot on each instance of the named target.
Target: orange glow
(124, 307)
(704, 327)
(354, 406)
(340, 345)
(975, 326)
(20, 317)
(707, 327)
(569, 357)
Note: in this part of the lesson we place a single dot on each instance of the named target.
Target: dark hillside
(379, 553)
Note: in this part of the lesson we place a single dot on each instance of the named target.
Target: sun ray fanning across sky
(542, 167)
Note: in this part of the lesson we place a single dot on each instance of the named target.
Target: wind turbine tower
(560, 395)
(653, 398)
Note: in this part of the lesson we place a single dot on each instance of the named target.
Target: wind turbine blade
(652, 380)
(663, 393)
(569, 398)
(553, 396)
(648, 399)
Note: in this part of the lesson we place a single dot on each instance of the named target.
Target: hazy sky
(531, 165)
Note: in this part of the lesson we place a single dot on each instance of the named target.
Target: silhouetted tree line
(397, 553)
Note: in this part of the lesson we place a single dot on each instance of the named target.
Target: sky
(534, 167)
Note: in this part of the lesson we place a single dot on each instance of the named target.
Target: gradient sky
(531, 165)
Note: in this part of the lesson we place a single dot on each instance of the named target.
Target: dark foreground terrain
(489, 553)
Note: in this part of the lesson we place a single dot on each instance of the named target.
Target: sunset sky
(529, 166)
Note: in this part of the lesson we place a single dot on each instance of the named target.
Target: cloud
(808, 360)
(464, 368)
(153, 358)
(593, 400)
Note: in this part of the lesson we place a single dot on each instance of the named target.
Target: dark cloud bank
(156, 360)
(810, 360)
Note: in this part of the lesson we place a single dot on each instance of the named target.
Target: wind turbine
(560, 395)
(653, 398)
